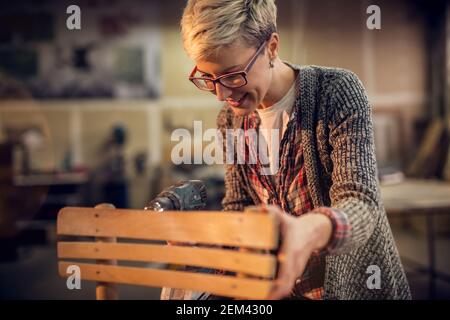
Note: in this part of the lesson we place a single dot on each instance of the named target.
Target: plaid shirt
(291, 193)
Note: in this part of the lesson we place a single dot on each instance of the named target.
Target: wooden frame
(244, 245)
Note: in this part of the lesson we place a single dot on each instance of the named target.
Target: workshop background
(86, 117)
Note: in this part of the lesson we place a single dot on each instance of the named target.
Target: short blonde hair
(208, 25)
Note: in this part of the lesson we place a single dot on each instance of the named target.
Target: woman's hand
(301, 236)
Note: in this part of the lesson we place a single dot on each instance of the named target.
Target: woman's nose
(222, 92)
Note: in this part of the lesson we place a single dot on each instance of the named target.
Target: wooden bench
(244, 244)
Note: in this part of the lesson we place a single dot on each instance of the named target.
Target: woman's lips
(238, 103)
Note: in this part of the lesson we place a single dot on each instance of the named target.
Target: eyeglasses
(230, 80)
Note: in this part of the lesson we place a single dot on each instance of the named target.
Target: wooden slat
(209, 227)
(251, 263)
(217, 284)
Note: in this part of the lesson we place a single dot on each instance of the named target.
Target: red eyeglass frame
(242, 72)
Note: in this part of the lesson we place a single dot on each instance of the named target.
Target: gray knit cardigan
(337, 136)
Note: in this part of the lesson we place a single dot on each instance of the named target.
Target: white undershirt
(277, 117)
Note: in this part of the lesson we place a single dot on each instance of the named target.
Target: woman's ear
(273, 46)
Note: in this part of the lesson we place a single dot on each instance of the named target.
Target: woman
(322, 176)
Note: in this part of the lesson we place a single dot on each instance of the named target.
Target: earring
(270, 64)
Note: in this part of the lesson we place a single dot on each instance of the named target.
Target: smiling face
(233, 58)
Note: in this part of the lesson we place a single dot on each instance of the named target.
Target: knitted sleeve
(354, 191)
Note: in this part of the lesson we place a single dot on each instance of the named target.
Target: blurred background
(86, 117)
